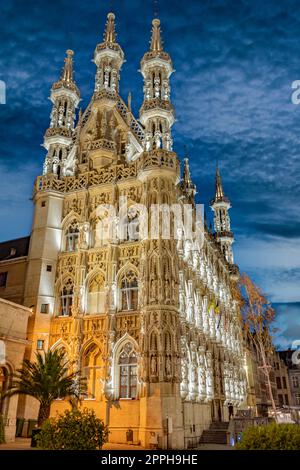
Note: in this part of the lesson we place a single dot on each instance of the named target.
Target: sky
(235, 62)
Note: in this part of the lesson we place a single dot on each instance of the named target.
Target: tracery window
(128, 372)
(72, 237)
(66, 299)
(129, 291)
(96, 295)
(91, 369)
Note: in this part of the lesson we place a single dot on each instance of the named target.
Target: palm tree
(47, 379)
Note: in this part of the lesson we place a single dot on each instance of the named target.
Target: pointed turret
(109, 58)
(65, 97)
(110, 29)
(219, 194)
(187, 185)
(221, 205)
(156, 113)
(156, 40)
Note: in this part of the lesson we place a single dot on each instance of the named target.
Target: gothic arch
(128, 266)
(115, 375)
(92, 366)
(69, 218)
(127, 287)
(61, 344)
(66, 280)
(93, 303)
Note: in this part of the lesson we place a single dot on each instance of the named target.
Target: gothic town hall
(150, 319)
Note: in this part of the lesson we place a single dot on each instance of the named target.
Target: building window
(45, 308)
(286, 399)
(96, 295)
(295, 381)
(40, 344)
(3, 279)
(284, 382)
(72, 236)
(66, 300)
(43, 203)
(49, 268)
(91, 369)
(129, 292)
(278, 382)
(280, 399)
(297, 398)
(128, 372)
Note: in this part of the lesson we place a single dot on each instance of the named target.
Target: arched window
(72, 236)
(101, 232)
(66, 299)
(128, 372)
(129, 291)
(96, 295)
(91, 369)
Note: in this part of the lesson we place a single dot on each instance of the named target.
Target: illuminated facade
(152, 322)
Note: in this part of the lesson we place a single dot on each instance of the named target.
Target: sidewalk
(23, 443)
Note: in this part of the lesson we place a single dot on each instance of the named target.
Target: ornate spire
(110, 29)
(156, 40)
(187, 185)
(108, 58)
(157, 113)
(221, 205)
(186, 172)
(67, 73)
(219, 195)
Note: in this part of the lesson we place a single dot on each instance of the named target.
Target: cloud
(287, 323)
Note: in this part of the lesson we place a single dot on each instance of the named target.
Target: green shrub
(73, 430)
(271, 437)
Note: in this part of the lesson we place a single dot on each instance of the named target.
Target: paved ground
(22, 443)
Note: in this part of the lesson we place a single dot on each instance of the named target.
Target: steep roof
(12, 249)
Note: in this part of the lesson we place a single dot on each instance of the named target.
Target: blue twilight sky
(235, 61)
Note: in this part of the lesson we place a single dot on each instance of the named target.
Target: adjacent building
(13, 341)
(291, 359)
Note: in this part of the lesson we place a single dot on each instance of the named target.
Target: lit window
(3, 279)
(96, 295)
(129, 291)
(72, 236)
(45, 308)
(40, 344)
(66, 300)
(128, 372)
(91, 367)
